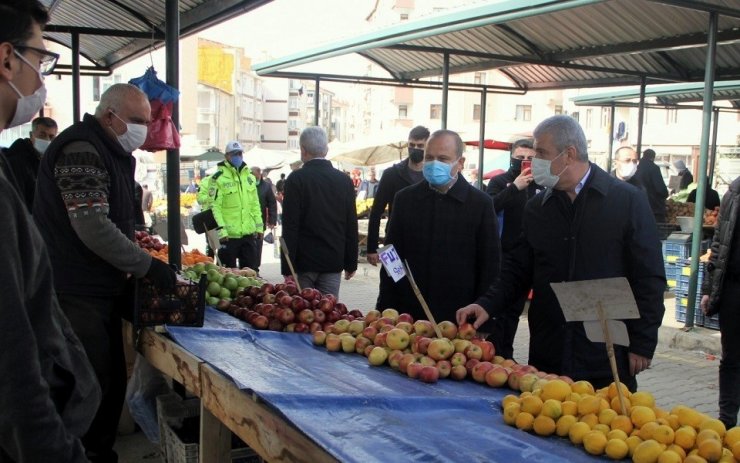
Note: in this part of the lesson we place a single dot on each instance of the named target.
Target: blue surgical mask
(236, 160)
(437, 173)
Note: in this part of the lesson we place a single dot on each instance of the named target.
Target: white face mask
(541, 172)
(627, 170)
(28, 105)
(40, 144)
(133, 137)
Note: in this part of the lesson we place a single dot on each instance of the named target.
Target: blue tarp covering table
(358, 412)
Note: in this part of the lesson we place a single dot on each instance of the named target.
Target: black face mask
(416, 155)
(516, 165)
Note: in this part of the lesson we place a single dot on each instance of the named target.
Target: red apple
(341, 326)
(480, 370)
(305, 316)
(424, 328)
(404, 362)
(355, 313)
(413, 370)
(325, 305)
(307, 294)
(275, 325)
(268, 298)
(426, 360)
(405, 317)
(333, 343)
(378, 356)
(267, 288)
(397, 339)
(421, 345)
(458, 358)
(392, 314)
(406, 326)
(466, 331)
(444, 367)
(361, 343)
(291, 289)
(429, 374)
(440, 349)
(497, 376)
(333, 316)
(290, 328)
(372, 315)
(341, 308)
(370, 332)
(301, 328)
(394, 358)
(470, 364)
(286, 300)
(448, 329)
(458, 372)
(380, 339)
(313, 327)
(368, 349)
(328, 327)
(298, 304)
(261, 322)
(489, 351)
(319, 316)
(473, 352)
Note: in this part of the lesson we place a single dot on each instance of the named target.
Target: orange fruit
(616, 449)
(562, 427)
(623, 423)
(641, 415)
(544, 425)
(524, 421)
(594, 442)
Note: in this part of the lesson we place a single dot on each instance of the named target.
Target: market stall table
(292, 401)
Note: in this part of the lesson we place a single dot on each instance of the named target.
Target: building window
(523, 112)
(292, 102)
(204, 133)
(558, 109)
(589, 116)
(404, 16)
(476, 112)
(435, 111)
(403, 111)
(606, 115)
(204, 100)
(479, 78)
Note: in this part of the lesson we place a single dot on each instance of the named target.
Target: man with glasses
(625, 166)
(86, 209)
(585, 225)
(23, 157)
(48, 394)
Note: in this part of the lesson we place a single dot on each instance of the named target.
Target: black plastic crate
(184, 305)
(665, 230)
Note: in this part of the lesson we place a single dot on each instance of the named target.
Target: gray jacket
(724, 231)
(48, 393)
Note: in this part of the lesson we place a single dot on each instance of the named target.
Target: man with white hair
(86, 209)
(319, 218)
(586, 225)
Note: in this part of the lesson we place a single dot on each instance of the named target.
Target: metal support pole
(75, 77)
(702, 170)
(713, 159)
(641, 114)
(316, 101)
(172, 43)
(481, 137)
(611, 138)
(445, 88)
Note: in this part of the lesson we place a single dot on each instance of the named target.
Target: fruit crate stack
(682, 296)
(676, 247)
(183, 305)
(171, 413)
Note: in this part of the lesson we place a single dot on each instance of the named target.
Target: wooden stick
(612, 359)
(284, 250)
(421, 299)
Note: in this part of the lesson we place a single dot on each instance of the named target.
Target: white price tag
(391, 262)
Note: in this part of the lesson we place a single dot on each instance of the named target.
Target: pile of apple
(147, 241)
(281, 307)
(412, 348)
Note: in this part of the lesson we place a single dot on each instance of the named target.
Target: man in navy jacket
(586, 225)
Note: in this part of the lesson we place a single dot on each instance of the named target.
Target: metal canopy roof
(112, 32)
(542, 44)
(669, 94)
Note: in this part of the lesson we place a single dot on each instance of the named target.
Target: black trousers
(729, 365)
(503, 329)
(97, 322)
(243, 249)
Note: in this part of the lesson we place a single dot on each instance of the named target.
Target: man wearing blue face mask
(86, 209)
(446, 229)
(24, 156)
(236, 208)
(586, 225)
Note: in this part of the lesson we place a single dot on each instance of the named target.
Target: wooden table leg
(215, 438)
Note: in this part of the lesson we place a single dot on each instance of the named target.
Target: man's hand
(524, 179)
(161, 274)
(373, 259)
(472, 310)
(704, 304)
(638, 363)
(348, 275)
(259, 236)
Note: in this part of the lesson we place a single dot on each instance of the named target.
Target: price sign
(391, 262)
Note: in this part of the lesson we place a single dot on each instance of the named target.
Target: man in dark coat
(23, 157)
(510, 192)
(721, 295)
(652, 180)
(319, 218)
(395, 178)
(86, 209)
(586, 225)
(446, 229)
(625, 166)
(268, 206)
(711, 197)
(48, 393)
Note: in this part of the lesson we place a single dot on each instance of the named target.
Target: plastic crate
(676, 246)
(685, 275)
(171, 411)
(184, 305)
(682, 299)
(712, 322)
(672, 272)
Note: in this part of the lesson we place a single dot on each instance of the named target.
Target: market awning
(113, 32)
(540, 44)
(668, 94)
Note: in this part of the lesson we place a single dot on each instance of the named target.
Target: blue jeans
(327, 283)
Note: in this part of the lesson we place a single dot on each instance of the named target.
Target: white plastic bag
(145, 385)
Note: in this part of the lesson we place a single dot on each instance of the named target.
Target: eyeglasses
(48, 59)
